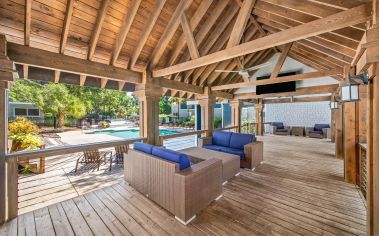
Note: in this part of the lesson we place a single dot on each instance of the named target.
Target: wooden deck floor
(298, 190)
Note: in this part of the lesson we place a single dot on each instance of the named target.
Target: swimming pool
(131, 133)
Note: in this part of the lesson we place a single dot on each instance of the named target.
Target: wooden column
(236, 106)
(148, 96)
(3, 147)
(206, 103)
(374, 145)
(259, 117)
(338, 131)
(350, 142)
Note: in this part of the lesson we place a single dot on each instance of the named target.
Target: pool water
(131, 133)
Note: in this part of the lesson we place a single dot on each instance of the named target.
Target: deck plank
(298, 190)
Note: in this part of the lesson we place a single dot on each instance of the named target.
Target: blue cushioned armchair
(279, 128)
(245, 146)
(318, 131)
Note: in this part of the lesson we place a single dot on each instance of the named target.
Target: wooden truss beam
(310, 75)
(28, 19)
(170, 30)
(191, 43)
(146, 32)
(337, 21)
(127, 23)
(323, 89)
(280, 62)
(99, 24)
(66, 25)
(44, 59)
(240, 24)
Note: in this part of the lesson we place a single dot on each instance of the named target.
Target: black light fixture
(333, 103)
(349, 91)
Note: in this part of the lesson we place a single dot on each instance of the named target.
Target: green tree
(164, 106)
(60, 103)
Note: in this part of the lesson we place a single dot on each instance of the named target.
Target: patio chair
(119, 155)
(93, 157)
(278, 128)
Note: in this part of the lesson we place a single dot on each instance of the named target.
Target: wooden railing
(184, 134)
(12, 165)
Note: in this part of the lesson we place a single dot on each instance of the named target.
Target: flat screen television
(276, 88)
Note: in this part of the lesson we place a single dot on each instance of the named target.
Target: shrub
(24, 135)
(27, 169)
(103, 124)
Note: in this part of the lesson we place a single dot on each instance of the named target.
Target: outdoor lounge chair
(93, 157)
(245, 146)
(169, 179)
(318, 131)
(119, 155)
(278, 128)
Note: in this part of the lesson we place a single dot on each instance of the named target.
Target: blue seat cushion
(315, 132)
(319, 127)
(173, 156)
(143, 147)
(234, 151)
(213, 147)
(278, 125)
(238, 140)
(221, 138)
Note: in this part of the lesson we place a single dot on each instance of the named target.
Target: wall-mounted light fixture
(349, 91)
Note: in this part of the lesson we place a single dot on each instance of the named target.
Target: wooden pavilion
(172, 47)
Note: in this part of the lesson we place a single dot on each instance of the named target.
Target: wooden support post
(333, 124)
(148, 95)
(236, 106)
(3, 147)
(259, 117)
(350, 142)
(207, 102)
(338, 132)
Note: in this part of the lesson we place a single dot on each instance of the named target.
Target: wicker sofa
(169, 179)
(245, 146)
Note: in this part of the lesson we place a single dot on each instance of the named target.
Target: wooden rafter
(169, 31)
(66, 25)
(340, 20)
(25, 69)
(191, 43)
(240, 24)
(98, 26)
(28, 19)
(280, 61)
(127, 23)
(44, 59)
(146, 32)
(82, 80)
(194, 22)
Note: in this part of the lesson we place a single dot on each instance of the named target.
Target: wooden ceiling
(150, 34)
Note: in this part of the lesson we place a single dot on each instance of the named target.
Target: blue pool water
(132, 133)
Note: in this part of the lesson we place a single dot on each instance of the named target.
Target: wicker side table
(297, 130)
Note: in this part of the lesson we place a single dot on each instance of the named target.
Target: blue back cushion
(278, 125)
(143, 147)
(173, 156)
(319, 127)
(221, 138)
(239, 140)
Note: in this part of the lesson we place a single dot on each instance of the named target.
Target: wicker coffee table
(230, 162)
(297, 130)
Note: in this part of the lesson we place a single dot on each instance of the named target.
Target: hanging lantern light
(333, 103)
(349, 91)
